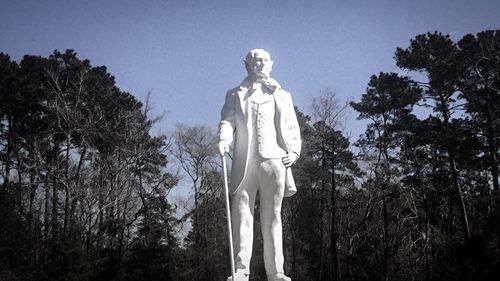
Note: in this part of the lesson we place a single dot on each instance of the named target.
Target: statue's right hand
(223, 147)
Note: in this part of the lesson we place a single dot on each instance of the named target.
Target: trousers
(267, 178)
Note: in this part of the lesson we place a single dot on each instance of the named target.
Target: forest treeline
(84, 185)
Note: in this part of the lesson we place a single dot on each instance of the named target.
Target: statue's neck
(254, 78)
(268, 82)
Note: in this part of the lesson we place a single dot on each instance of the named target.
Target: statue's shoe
(238, 276)
(278, 277)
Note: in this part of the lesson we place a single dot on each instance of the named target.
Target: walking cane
(228, 213)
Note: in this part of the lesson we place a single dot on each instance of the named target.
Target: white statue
(260, 116)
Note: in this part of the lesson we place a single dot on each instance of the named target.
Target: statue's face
(260, 64)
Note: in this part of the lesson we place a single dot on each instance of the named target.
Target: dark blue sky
(189, 53)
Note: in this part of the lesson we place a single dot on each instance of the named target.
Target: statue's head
(258, 63)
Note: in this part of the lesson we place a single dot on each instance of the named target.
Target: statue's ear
(247, 67)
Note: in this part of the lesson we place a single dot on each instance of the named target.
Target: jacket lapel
(242, 93)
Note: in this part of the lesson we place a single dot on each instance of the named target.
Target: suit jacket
(235, 125)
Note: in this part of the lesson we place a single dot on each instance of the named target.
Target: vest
(262, 113)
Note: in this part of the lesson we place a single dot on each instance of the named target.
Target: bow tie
(269, 83)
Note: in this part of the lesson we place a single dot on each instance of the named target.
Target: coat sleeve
(227, 123)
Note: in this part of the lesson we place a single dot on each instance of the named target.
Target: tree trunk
(454, 173)
(492, 149)
(386, 236)
(7, 154)
(294, 255)
(460, 197)
(54, 213)
(322, 255)
(19, 189)
(67, 188)
(46, 216)
(333, 231)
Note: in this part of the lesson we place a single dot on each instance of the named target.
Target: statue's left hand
(290, 159)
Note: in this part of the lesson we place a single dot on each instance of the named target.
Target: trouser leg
(272, 185)
(242, 208)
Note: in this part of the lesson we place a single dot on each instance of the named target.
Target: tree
(387, 103)
(333, 145)
(196, 152)
(481, 88)
(83, 180)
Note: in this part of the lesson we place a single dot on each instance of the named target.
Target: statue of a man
(260, 117)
